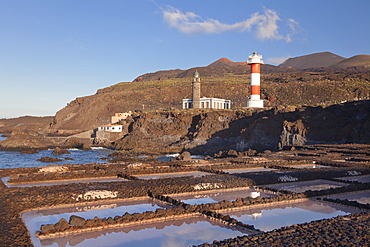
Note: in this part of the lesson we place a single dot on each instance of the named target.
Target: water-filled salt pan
(35, 218)
(180, 233)
(360, 197)
(303, 186)
(274, 216)
(219, 195)
(361, 179)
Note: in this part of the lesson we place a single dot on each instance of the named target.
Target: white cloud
(293, 24)
(267, 28)
(266, 24)
(190, 23)
(277, 60)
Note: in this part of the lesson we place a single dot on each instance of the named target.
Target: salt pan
(287, 178)
(49, 169)
(205, 186)
(96, 194)
(353, 173)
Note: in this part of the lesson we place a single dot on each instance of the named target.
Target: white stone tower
(196, 91)
(254, 100)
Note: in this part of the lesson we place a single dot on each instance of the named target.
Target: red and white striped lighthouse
(254, 100)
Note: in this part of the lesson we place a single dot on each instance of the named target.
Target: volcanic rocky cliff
(214, 131)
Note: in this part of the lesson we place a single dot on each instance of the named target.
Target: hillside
(278, 88)
(164, 90)
(219, 68)
(321, 59)
(355, 61)
(25, 122)
(326, 61)
(226, 62)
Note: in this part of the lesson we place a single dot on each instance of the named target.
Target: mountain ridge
(355, 61)
(225, 62)
(320, 59)
(225, 66)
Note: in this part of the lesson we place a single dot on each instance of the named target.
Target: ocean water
(15, 159)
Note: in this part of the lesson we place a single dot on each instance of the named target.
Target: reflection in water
(218, 196)
(300, 187)
(361, 179)
(34, 219)
(256, 215)
(309, 166)
(181, 232)
(279, 215)
(360, 197)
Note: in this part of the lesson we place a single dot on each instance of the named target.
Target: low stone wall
(78, 225)
(338, 190)
(349, 203)
(96, 171)
(127, 170)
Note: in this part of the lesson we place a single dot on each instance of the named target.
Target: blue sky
(52, 51)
